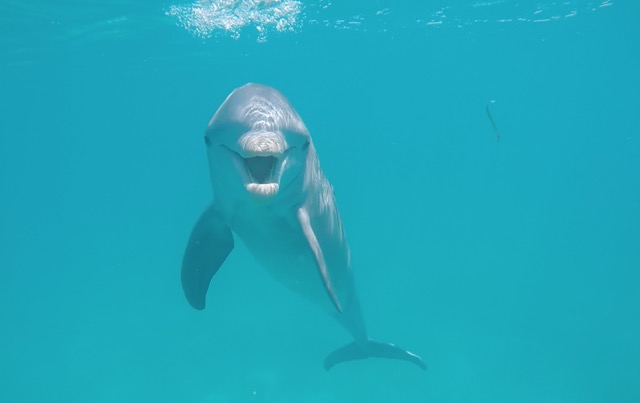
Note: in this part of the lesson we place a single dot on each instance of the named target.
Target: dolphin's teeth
(263, 189)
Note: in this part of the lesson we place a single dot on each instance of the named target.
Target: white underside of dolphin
(270, 192)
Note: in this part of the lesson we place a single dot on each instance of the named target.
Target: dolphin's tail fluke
(371, 348)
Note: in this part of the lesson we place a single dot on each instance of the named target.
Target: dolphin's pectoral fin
(371, 348)
(210, 243)
(305, 223)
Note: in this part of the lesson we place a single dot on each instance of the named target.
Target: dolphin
(269, 190)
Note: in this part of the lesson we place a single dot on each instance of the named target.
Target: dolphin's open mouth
(259, 174)
(261, 169)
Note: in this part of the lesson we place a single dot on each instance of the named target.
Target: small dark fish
(493, 122)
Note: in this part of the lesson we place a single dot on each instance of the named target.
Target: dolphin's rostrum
(269, 190)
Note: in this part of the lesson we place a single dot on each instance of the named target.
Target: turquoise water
(512, 267)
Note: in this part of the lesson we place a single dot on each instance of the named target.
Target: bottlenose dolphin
(269, 190)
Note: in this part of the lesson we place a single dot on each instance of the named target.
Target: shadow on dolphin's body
(269, 190)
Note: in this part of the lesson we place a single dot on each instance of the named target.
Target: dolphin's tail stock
(371, 348)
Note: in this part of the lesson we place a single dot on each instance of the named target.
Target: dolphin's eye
(305, 146)
(207, 141)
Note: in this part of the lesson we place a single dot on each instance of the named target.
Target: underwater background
(508, 257)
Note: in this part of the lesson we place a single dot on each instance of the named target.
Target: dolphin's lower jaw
(263, 190)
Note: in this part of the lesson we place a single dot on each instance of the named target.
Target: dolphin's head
(256, 143)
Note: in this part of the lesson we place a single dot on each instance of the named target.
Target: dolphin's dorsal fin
(210, 243)
(305, 223)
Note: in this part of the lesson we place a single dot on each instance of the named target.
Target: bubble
(205, 18)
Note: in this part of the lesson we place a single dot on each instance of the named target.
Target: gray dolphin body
(270, 191)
